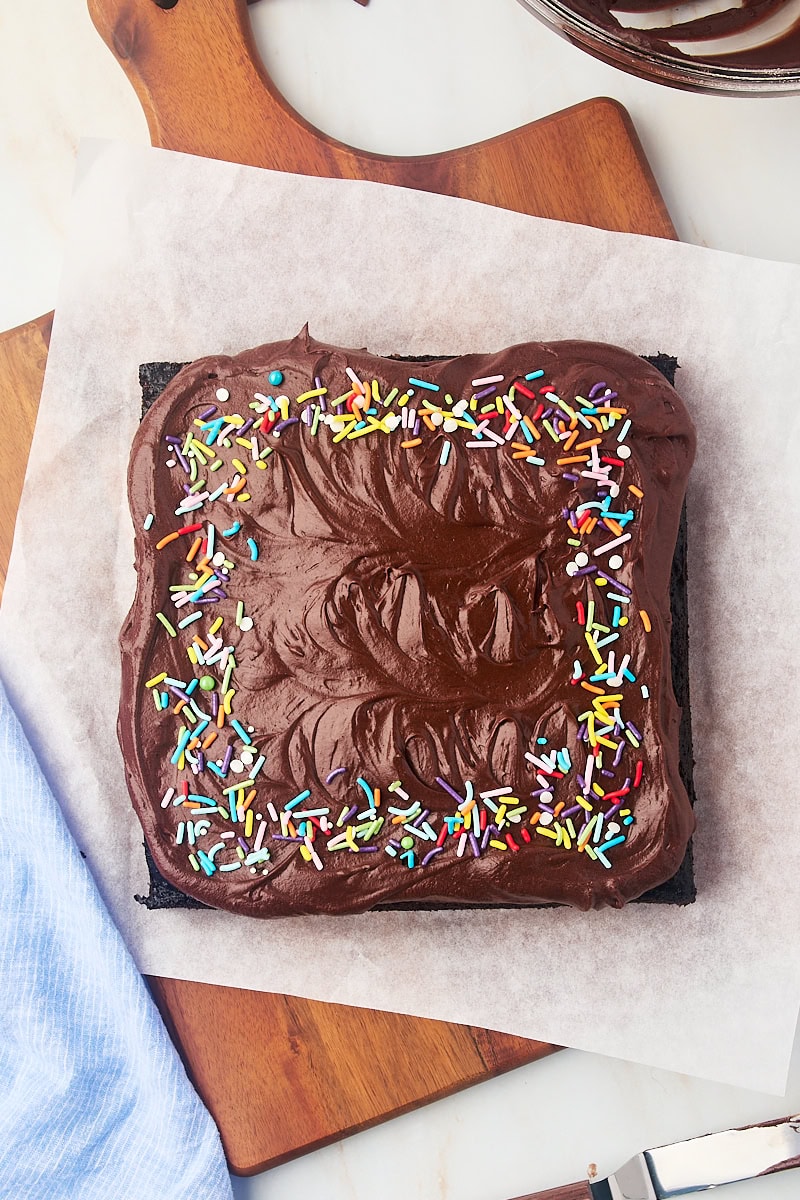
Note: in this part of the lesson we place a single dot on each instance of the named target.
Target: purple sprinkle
(596, 387)
(333, 774)
(305, 415)
(608, 774)
(612, 812)
(279, 837)
(634, 731)
(570, 475)
(546, 808)
(490, 829)
(350, 813)
(616, 582)
(206, 413)
(423, 816)
(416, 427)
(244, 428)
(226, 762)
(173, 441)
(214, 704)
(201, 761)
(487, 391)
(444, 784)
(178, 692)
(473, 841)
(618, 755)
(244, 845)
(279, 428)
(541, 791)
(393, 842)
(184, 463)
(367, 849)
(570, 812)
(432, 854)
(586, 570)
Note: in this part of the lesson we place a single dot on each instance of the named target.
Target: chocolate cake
(402, 629)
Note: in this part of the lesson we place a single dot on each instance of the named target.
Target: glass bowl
(740, 47)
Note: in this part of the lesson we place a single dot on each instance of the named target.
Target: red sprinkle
(581, 613)
(538, 413)
(526, 837)
(520, 387)
(512, 845)
(190, 529)
(442, 835)
(637, 779)
(483, 820)
(617, 462)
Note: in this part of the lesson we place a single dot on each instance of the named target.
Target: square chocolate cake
(402, 629)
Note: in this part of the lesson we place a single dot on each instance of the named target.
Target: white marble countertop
(432, 74)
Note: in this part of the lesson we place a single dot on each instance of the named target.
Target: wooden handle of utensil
(570, 1191)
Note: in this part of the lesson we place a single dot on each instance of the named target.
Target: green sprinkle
(166, 624)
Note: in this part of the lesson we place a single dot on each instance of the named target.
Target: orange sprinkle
(212, 737)
(645, 620)
(413, 442)
(591, 442)
(635, 491)
(527, 421)
(193, 744)
(237, 487)
(376, 797)
(196, 544)
(220, 717)
(169, 538)
(522, 453)
(613, 525)
(199, 641)
(535, 818)
(181, 704)
(570, 442)
(591, 688)
(558, 808)
(562, 462)
(248, 800)
(590, 524)
(428, 421)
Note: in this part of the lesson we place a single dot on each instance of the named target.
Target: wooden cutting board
(258, 1059)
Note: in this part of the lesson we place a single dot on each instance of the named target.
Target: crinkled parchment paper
(174, 257)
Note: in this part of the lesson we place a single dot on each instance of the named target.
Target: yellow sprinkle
(497, 845)
(243, 497)
(248, 823)
(404, 399)
(191, 655)
(591, 644)
(305, 853)
(228, 701)
(240, 467)
(320, 391)
(546, 831)
(217, 625)
(156, 679)
(645, 620)
(583, 803)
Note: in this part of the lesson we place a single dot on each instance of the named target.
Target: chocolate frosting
(413, 620)
(737, 24)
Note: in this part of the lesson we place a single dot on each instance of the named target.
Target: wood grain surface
(315, 1072)
(570, 1191)
(257, 1057)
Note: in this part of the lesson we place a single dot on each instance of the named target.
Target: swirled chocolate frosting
(401, 631)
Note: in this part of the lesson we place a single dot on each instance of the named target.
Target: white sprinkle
(436, 418)
(237, 766)
(355, 380)
(546, 818)
(246, 624)
(170, 462)
(645, 692)
(624, 452)
(223, 394)
(482, 445)
(170, 792)
(581, 558)
(218, 559)
(615, 562)
(460, 408)
(449, 425)
(488, 379)
(247, 757)
(626, 537)
(503, 791)
(571, 568)
(462, 842)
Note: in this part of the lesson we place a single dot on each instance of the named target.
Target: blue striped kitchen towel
(94, 1101)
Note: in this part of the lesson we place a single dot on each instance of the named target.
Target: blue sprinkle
(431, 387)
(535, 375)
(275, 378)
(253, 549)
(235, 527)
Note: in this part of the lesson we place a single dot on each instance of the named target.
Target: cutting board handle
(204, 90)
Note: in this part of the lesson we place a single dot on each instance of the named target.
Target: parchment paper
(173, 257)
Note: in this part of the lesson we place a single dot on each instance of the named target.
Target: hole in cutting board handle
(166, 3)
